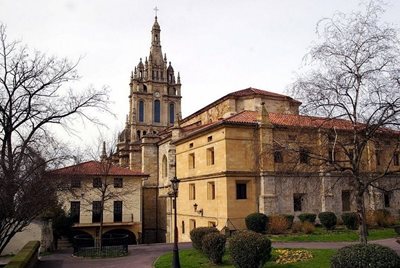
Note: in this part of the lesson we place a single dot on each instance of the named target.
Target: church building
(248, 151)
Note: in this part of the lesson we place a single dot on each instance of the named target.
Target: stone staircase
(64, 243)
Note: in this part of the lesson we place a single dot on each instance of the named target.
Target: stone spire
(155, 49)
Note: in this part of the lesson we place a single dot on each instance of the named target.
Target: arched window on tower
(157, 111)
(141, 111)
(164, 167)
(171, 113)
(144, 88)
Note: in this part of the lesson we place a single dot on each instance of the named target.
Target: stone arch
(131, 236)
(83, 238)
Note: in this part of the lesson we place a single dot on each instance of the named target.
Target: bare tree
(32, 98)
(354, 74)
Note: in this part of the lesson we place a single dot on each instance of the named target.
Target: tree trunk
(363, 231)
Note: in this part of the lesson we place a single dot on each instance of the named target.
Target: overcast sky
(218, 46)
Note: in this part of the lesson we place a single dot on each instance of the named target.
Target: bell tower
(155, 93)
(154, 100)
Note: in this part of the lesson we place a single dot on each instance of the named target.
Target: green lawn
(338, 235)
(190, 258)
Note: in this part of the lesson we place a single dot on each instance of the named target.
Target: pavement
(143, 256)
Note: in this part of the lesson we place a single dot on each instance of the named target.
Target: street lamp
(175, 257)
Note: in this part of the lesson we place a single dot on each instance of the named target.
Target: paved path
(143, 256)
(140, 256)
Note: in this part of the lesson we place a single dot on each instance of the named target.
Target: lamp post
(175, 258)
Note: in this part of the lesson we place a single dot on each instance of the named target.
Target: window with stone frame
(386, 199)
(278, 156)
(192, 191)
(118, 182)
(75, 183)
(192, 224)
(210, 156)
(211, 190)
(396, 159)
(304, 156)
(241, 190)
(298, 201)
(96, 211)
(346, 200)
(97, 183)
(164, 167)
(183, 227)
(192, 161)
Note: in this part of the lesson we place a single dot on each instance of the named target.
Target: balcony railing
(108, 218)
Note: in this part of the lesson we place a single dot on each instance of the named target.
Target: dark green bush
(214, 246)
(289, 219)
(249, 249)
(371, 255)
(328, 220)
(196, 235)
(257, 222)
(310, 217)
(350, 220)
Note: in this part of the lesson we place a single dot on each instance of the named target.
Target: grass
(191, 258)
(338, 235)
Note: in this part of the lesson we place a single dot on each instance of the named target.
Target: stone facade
(239, 154)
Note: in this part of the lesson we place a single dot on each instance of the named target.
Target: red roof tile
(247, 117)
(97, 169)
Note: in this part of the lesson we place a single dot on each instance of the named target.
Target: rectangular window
(386, 199)
(192, 191)
(117, 211)
(378, 157)
(212, 224)
(96, 211)
(241, 190)
(191, 145)
(298, 202)
(192, 160)
(210, 156)
(183, 227)
(75, 211)
(209, 138)
(118, 182)
(304, 156)
(278, 157)
(97, 183)
(346, 200)
(396, 159)
(192, 224)
(75, 183)
(211, 190)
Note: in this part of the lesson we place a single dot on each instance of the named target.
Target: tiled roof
(254, 91)
(243, 93)
(97, 169)
(297, 121)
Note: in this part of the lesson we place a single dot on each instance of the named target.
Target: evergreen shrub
(249, 249)
(257, 222)
(370, 255)
(196, 235)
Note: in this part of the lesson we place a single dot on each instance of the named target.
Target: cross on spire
(155, 10)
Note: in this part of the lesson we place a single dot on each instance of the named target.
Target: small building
(96, 191)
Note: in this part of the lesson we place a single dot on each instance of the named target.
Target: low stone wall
(27, 257)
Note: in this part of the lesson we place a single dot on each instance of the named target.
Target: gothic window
(138, 134)
(164, 167)
(141, 111)
(144, 88)
(171, 113)
(157, 111)
(278, 157)
(141, 74)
